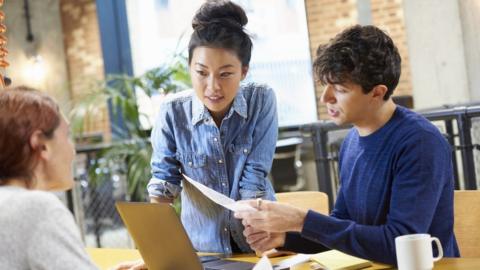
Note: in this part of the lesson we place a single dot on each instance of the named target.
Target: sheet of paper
(236, 206)
(263, 264)
(287, 263)
(272, 253)
(219, 198)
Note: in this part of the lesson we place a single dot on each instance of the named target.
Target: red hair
(22, 112)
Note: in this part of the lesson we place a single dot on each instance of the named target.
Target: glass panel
(280, 57)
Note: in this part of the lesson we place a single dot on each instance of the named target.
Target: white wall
(48, 42)
(470, 18)
(435, 38)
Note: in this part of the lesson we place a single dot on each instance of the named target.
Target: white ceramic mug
(414, 251)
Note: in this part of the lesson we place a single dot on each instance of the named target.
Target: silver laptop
(162, 241)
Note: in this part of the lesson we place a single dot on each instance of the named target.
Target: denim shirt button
(213, 160)
(245, 150)
(225, 229)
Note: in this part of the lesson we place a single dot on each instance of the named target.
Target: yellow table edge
(106, 258)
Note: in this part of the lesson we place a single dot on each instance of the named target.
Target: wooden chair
(467, 222)
(314, 200)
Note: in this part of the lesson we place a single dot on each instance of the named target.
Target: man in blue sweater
(395, 166)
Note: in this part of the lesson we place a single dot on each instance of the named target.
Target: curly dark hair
(219, 24)
(364, 55)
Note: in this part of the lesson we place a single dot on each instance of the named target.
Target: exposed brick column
(84, 55)
(388, 15)
(326, 18)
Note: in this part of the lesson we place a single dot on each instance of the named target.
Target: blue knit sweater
(395, 181)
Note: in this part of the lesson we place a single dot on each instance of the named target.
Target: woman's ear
(39, 144)
(244, 71)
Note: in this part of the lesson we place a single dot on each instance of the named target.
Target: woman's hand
(131, 265)
(272, 216)
(261, 241)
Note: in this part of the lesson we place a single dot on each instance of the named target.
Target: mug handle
(439, 247)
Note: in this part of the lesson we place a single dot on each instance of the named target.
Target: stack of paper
(336, 260)
(292, 261)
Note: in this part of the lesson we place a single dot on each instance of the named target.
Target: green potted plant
(129, 150)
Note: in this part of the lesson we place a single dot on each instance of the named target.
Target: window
(280, 57)
(161, 4)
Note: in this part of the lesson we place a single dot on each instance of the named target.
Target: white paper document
(263, 264)
(287, 263)
(219, 198)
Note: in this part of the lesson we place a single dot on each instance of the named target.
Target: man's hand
(272, 216)
(261, 241)
(131, 265)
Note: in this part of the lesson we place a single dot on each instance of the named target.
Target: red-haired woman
(36, 154)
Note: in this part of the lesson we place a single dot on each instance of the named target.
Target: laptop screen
(162, 241)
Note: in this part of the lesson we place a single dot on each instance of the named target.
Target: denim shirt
(234, 159)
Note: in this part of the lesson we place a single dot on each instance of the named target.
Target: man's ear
(379, 91)
(244, 71)
(38, 142)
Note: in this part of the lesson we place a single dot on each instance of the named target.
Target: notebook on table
(336, 260)
(162, 241)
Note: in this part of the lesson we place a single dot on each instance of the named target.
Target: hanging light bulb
(35, 70)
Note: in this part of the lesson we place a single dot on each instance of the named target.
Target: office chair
(314, 200)
(286, 173)
(467, 222)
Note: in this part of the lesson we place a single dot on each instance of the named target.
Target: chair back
(467, 222)
(314, 200)
(286, 172)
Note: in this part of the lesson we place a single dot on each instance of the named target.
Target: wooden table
(105, 258)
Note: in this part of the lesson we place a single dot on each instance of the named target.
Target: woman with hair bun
(221, 133)
(36, 230)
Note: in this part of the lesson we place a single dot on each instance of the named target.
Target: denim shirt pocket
(193, 164)
(241, 148)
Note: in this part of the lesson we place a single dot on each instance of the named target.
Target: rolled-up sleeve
(165, 167)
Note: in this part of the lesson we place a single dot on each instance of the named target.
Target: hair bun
(220, 12)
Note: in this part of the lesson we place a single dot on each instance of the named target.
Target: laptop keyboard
(227, 265)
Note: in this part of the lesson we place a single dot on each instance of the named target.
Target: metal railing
(93, 204)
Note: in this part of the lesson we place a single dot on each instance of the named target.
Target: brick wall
(326, 18)
(84, 56)
(388, 15)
